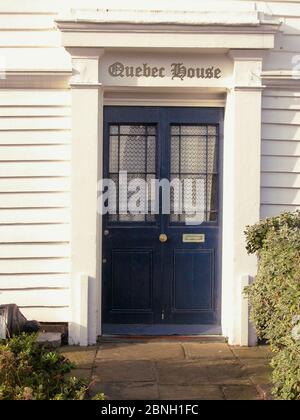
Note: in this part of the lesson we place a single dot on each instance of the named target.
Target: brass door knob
(163, 237)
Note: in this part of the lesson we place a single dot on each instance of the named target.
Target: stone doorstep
(161, 339)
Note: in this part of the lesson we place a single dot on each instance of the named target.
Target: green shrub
(256, 234)
(286, 372)
(30, 372)
(275, 296)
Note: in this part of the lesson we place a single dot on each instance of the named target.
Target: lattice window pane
(212, 154)
(194, 161)
(151, 154)
(212, 190)
(113, 196)
(193, 130)
(151, 130)
(114, 129)
(175, 147)
(176, 204)
(175, 130)
(151, 203)
(193, 154)
(114, 154)
(132, 154)
(194, 192)
(132, 148)
(212, 130)
(133, 130)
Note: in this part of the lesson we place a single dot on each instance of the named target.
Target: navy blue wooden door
(163, 269)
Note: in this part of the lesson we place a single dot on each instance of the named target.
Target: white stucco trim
(200, 103)
(188, 28)
(190, 12)
(185, 99)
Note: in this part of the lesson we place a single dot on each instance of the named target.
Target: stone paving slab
(240, 392)
(122, 370)
(127, 390)
(227, 373)
(250, 353)
(190, 392)
(83, 357)
(260, 377)
(179, 370)
(207, 351)
(182, 372)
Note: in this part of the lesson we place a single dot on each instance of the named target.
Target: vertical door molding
(86, 167)
(241, 200)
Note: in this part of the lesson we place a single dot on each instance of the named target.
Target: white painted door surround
(233, 42)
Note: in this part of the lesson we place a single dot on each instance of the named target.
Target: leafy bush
(286, 372)
(275, 297)
(30, 372)
(257, 233)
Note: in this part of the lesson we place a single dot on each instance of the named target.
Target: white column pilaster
(86, 164)
(241, 192)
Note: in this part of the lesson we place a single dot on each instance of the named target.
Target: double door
(161, 246)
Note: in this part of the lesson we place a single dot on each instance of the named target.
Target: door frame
(241, 203)
(172, 329)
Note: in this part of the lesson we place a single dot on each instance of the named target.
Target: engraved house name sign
(177, 70)
(165, 70)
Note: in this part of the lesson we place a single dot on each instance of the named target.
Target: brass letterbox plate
(193, 237)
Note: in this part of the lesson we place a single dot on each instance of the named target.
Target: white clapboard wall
(35, 146)
(280, 167)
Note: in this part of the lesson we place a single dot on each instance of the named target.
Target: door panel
(132, 280)
(193, 288)
(146, 281)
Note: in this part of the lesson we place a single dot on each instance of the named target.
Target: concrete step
(49, 339)
(61, 328)
(162, 339)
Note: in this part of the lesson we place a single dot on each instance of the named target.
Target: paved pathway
(173, 369)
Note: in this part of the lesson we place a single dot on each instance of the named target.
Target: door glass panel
(132, 150)
(194, 163)
(192, 155)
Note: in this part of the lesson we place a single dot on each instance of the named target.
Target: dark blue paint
(142, 278)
